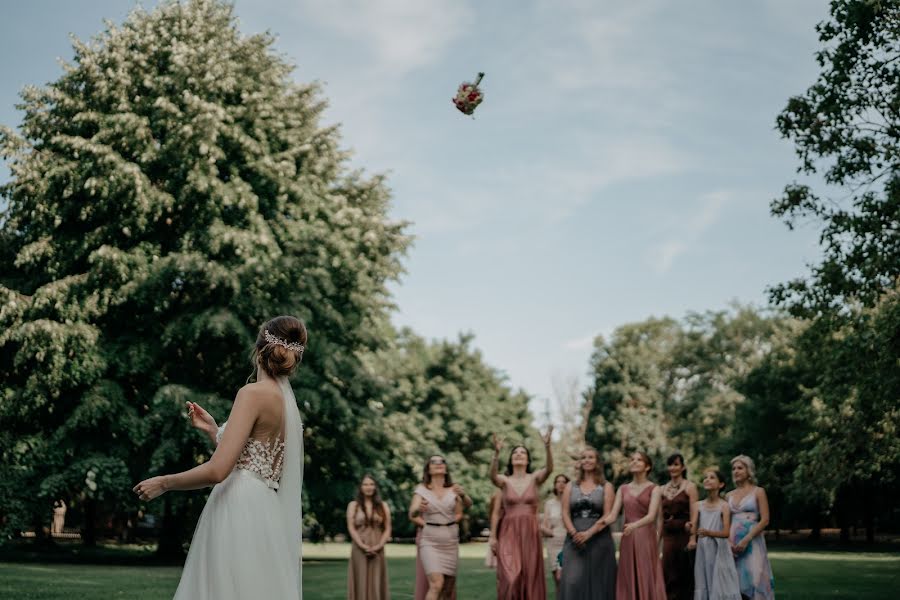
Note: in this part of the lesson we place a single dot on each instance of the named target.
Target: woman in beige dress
(437, 509)
(553, 529)
(369, 526)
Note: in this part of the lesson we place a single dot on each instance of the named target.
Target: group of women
(712, 549)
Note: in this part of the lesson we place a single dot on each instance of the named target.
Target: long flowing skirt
(715, 576)
(520, 560)
(753, 566)
(589, 572)
(237, 549)
(640, 575)
(367, 575)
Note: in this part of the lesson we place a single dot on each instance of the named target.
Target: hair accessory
(272, 339)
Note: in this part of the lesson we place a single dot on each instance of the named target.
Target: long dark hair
(377, 503)
(426, 476)
(564, 476)
(509, 466)
(677, 456)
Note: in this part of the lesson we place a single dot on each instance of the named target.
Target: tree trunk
(40, 531)
(843, 514)
(870, 523)
(170, 533)
(816, 533)
(89, 530)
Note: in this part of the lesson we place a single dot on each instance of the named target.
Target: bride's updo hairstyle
(279, 346)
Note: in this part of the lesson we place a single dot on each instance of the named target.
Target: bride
(247, 541)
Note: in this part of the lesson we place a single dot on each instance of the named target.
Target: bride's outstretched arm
(240, 423)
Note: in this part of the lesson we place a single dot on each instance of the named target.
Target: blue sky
(620, 167)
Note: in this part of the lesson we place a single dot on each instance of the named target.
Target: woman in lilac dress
(640, 575)
(715, 577)
(750, 516)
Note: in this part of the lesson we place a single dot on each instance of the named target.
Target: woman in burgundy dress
(640, 575)
(520, 554)
(677, 498)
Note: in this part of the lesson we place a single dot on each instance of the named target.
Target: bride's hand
(200, 419)
(151, 488)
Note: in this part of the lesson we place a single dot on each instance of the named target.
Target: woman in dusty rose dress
(520, 554)
(640, 575)
(750, 515)
(436, 509)
(677, 498)
(369, 526)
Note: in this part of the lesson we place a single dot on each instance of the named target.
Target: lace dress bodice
(261, 458)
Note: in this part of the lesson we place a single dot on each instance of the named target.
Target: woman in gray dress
(589, 555)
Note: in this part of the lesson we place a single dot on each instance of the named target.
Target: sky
(620, 167)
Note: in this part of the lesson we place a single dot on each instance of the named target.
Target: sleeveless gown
(588, 572)
(554, 544)
(715, 576)
(677, 569)
(367, 577)
(437, 546)
(640, 574)
(520, 560)
(752, 565)
(247, 541)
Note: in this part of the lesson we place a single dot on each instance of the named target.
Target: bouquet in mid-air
(469, 96)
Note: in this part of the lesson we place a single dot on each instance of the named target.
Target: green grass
(799, 575)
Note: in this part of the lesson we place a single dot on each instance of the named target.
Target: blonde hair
(599, 478)
(748, 464)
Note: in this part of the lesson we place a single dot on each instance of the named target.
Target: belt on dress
(441, 524)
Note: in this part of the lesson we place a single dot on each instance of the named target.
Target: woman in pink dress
(640, 575)
(520, 553)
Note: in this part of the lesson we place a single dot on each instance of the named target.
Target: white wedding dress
(247, 544)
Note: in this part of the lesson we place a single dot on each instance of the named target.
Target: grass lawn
(798, 575)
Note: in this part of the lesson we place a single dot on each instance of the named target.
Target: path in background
(799, 575)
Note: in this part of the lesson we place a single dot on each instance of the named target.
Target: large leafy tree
(632, 378)
(663, 385)
(168, 193)
(846, 127)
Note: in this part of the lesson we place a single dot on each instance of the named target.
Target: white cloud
(401, 35)
(544, 193)
(582, 343)
(688, 230)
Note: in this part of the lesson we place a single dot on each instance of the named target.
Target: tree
(851, 446)
(632, 377)
(664, 386)
(847, 127)
(571, 422)
(169, 192)
(714, 356)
